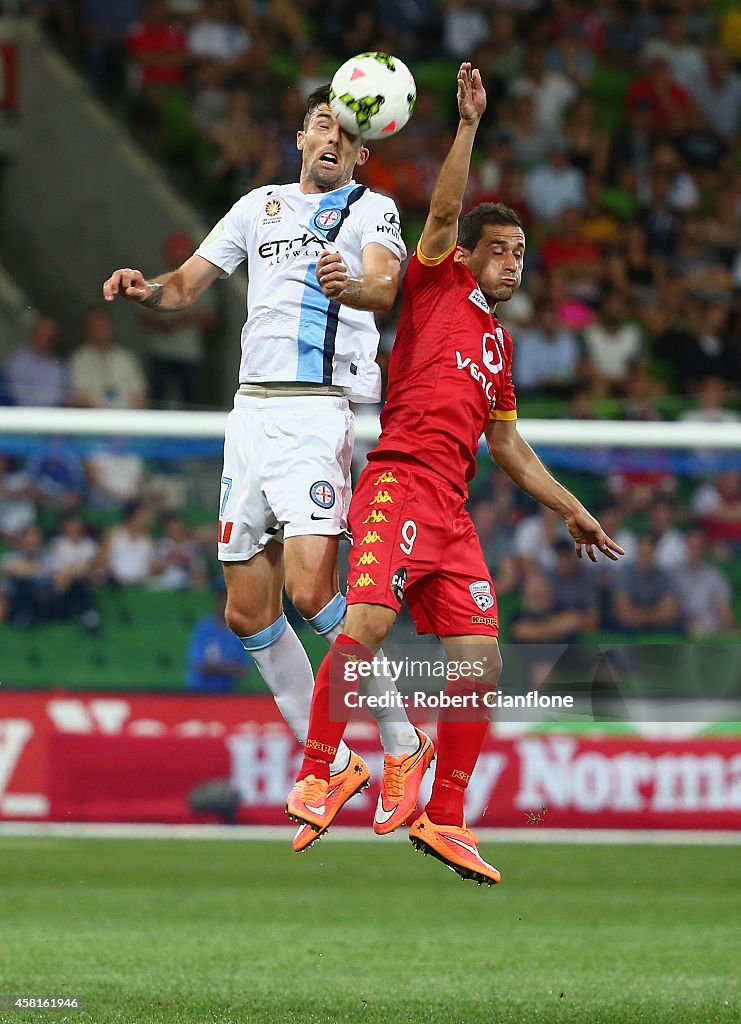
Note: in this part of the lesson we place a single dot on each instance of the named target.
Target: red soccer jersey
(450, 370)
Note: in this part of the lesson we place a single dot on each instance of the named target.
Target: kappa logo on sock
(376, 516)
(325, 747)
(386, 478)
(458, 774)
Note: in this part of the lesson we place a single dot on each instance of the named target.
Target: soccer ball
(373, 95)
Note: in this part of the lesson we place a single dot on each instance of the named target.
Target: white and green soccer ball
(373, 95)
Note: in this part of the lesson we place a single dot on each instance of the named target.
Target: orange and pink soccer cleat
(314, 803)
(402, 777)
(456, 847)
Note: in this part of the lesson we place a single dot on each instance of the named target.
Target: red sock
(328, 718)
(460, 736)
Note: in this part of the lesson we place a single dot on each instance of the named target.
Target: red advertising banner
(8, 75)
(130, 757)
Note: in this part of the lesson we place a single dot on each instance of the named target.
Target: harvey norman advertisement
(128, 757)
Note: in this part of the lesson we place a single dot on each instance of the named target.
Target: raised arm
(168, 292)
(513, 454)
(441, 227)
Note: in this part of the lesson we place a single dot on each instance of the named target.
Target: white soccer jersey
(293, 331)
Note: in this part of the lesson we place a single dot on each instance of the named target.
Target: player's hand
(332, 274)
(130, 284)
(588, 533)
(471, 94)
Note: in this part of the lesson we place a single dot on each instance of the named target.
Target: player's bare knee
(491, 661)
(369, 624)
(309, 596)
(247, 623)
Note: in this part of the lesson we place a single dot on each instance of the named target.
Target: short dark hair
(474, 222)
(318, 98)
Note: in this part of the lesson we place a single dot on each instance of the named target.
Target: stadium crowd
(613, 131)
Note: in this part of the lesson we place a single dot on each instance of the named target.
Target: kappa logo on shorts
(382, 498)
(481, 593)
(372, 537)
(322, 494)
(398, 582)
(376, 516)
(485, 620)
(367, 558)
(386, 478)
(365, 580)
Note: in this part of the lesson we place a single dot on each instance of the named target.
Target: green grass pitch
(196, 931)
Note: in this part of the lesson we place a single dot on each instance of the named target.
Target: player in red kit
(450, 381)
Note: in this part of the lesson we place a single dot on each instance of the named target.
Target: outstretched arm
(441, 228)
(165, 293)
(513, 454)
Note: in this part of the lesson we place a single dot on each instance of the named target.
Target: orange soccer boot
(455, 846)
(402, 777)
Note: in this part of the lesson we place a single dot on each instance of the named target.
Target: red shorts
(413, 537)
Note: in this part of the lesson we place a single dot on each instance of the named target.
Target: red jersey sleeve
(506, 407)
(423, 273)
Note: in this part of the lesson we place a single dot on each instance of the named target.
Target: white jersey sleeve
(226, 245)
(381, 223)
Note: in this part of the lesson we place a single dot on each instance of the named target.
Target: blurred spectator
(546, 356)
(105, 375)
(717, 88)
(669, 102)
(552, 92)
(116, 474)
(534, 540)
(34, 375)
(696, 263)
(668, 173)
(541, 630)
(26, 569)
(216, 35)
(642, 394)
(567, 251)
(105, 29)
(717, 506)
(633, 141)
(553, 186)
(632, 268)
(56, 475)
(182, 563)
(175, 342)
(671, 549)
(158, 51)
(500, 57)
(216, 659)
(465, 26)
(529, 143)
(711, 398)
(700, 349)
(575, 587)
(703, 591)
(17, 508)
(612, 343)
(684, 57)
(589, 145)
(210, 98)
(644, 596)
(129, 549)
(246, 156)
(74, 562)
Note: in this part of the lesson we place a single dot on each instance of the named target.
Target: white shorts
(286, 471)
